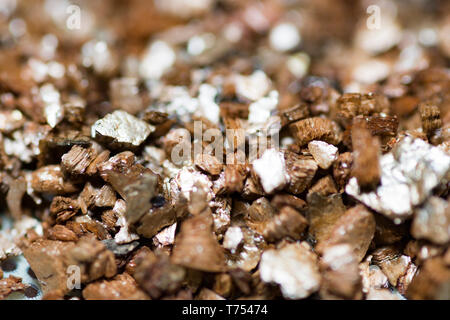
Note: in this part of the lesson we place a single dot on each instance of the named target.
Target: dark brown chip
(340, 274)
(136, 184)
(93, 258)
(102, 157)
(91, 197)
(280, 200)
(398, 268)
(63, 208)
(342, 169)
(46, 259)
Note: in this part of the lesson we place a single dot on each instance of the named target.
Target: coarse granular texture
(211, 150)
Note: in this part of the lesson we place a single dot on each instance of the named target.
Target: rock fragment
(408, 175)
(50, 180)
(196, 246)
(271, 170)
(121, 129)
(324, 154)
(307, 130)
(301, 171)
(121, 287)
(432, 221)
(340, 274)
(135, 183)
(10, 285)
(356, 228)
(294, 268)
(77, 160)
(366, 150)
(431, 282)
(322, 213)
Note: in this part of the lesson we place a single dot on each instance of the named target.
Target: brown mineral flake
(63, 208)
(62, 233)
(353, 104)
(287, 223)
(432, 281)
(93, 258)
(356, 228)
(340, 275)
(323, 212)
(77, 160)
(121, 287)
(17, 189)
(135, 183)
(342, 169)
(316, 128)
(196, 246)
(398, 268)
(366, 150)
(46, 259)
(10, 285)
(50, 179)
(157, 276)
(301, 171)
(431, 118)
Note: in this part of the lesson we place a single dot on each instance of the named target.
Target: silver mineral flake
(123, 128)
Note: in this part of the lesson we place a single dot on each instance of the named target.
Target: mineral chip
(294, 268)
(408, 175)
(121, 129)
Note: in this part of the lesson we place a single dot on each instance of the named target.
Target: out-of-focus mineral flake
(324, 154)
(432, 221)
(259, 111)
(253, 87)
(53, 110)
(122, 128)
(158, 58)
(271, 169)
(284, 37)
(408, 175)
(294, 267)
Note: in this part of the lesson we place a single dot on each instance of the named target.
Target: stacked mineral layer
(103, 105)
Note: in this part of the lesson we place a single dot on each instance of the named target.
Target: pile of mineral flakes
(347, 198)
